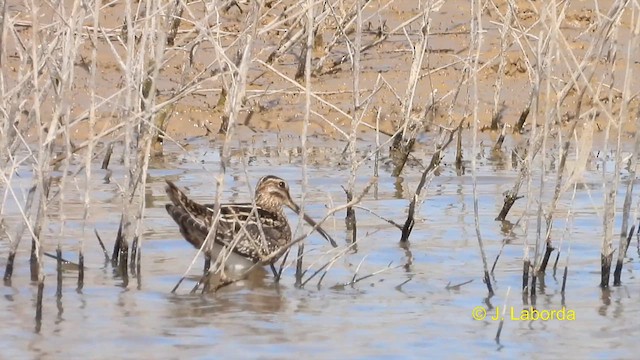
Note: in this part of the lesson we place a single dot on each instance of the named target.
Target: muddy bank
(528, 51)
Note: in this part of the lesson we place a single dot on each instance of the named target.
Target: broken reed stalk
(474, 49)
(109, 151)
(39, 221)
(39, 296)
(404, 141)
(58, 272)
(459, 152)
(519, 126)
(299, 272)
(606, 251)
(63, 260)
(624, 245)
(443, 142)
(495, 261)
(565, 273)
(15, 240)
(117, 244)
(498, 145)
(511, 196)
(281, 268)
(104, 249)
(350, 218)
(400, 151)
(559, 190)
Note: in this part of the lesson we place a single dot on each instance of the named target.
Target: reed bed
(82, 82)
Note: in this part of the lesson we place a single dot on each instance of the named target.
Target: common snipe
(256, 232)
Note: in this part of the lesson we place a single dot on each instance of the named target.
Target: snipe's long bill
(252, 233)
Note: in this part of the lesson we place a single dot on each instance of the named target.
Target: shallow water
(409, 311)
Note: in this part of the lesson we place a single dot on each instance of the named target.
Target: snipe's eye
(282, 185)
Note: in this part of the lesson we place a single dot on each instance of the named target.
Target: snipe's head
(272, 193)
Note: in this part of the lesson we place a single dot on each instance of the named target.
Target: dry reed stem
(299, 272)
(324, 269)
(307, 117)
(610, 183)
(560, 170)
(357, 112)
(289, 40)
(505, 26)
(504, 311)
(374, 43)
(474, 49)
(343, 27)
(355, 279)
(441, 145)
(403, 143)
(633, 164)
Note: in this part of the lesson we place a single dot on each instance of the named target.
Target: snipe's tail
(193, 219)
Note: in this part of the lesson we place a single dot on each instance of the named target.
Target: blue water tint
(418, 305)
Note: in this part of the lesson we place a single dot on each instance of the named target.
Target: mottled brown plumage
(249, 224)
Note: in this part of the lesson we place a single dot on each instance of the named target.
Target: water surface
(410, 311)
